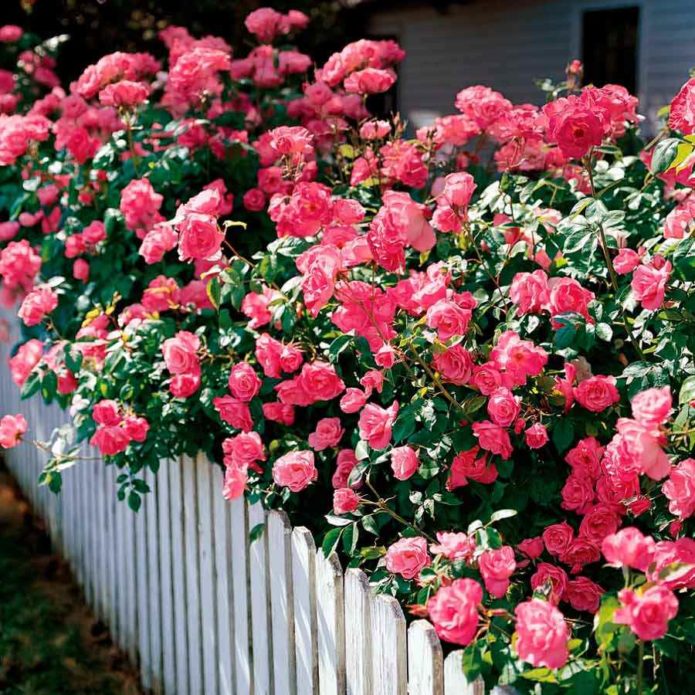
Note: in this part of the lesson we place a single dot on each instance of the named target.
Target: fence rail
(201, 609)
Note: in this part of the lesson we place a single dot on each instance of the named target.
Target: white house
(647, 45)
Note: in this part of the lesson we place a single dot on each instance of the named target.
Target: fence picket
(389, 669)
(190, 530)
(425, 660)
(153, 586)
(206, 546)
(304, 593)
(455, 681)
(178, 578)
(166, 570)
(330, 618)
(239, 529)
(141, 597)
(224, 585)
(260, 618)
(358, 633)
(281, 600)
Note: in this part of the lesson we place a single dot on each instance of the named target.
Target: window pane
(609, 47)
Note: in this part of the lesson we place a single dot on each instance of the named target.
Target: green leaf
(502, 514)
(330, 541)
(664, 155)
(687, 392)
(256, 532)
(563, 434)
(134, 501)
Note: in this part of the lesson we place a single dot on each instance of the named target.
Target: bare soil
(50, 642)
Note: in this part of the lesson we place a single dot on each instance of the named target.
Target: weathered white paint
(304, 592)
(425, 660)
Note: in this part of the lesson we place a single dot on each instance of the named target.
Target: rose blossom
(375, 424)
(454, 546)
(557, 538)
(550, 578)
(295, 470)
(503, 407)
(407, 557)
(628, 547)
(493, 438)
(327, 434)
(679, 489)
(404, 462)
(345, 500)
(649, 283)
(647, 613)
(244, 382)
(597, 393)
(536, 436)
(453, 611)
(37, 304)
(542, 634)
(12, 427)
(583, 594)
(496, 566)
(652, 407)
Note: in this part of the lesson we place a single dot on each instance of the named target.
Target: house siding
(508, 45)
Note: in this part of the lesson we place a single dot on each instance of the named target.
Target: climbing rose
(404, 462)
(454, 611)
(496, 566)
(679, 489)
(375, 424)
(12, 427)
(407, 557)
(542, 634)
(647, 612)
(295, 470)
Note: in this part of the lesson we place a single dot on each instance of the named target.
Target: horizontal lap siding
(508, 45)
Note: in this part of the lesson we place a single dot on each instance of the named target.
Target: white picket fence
(202, 610)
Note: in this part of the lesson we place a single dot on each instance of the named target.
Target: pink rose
(136, 428)
(628, 548)
(453, 546)
(647, 613)
(37, 304)
(493, 438)
(557, 538)
(353, 401)
(199, 237)
(652, 407)
(496, 566)
(551, 580)
(674, 564)
(531, 547)
(106, 413)
(503, 407)
(345, 500)
(12, 427)
(320, 381)
(243, 450)
(626, 261)
(160, 239)
(407, 557)
(234, 412)
(542, 634)
(583, 594)
(455, 365)
(530, 292)
(597, 393)
(110, 440)
(679, 489)
(448, 318)
(649, 283)
(234, 482)
(536, 436)
(568, 296)
(184, 385)
(295, 470)
(600, 521)
(345, 462)
(404, 462)
(327, 434)
(578, 493)
(244, 382)
(180, 353)
(27, 357)
(453, 611)
(375, 424)
(279, 412)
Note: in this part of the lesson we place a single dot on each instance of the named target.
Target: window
(609, 47)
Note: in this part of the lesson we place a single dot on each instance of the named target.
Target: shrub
(464, 358)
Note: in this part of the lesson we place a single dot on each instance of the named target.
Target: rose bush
(463, 356)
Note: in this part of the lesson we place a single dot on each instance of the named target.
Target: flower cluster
(464, 358)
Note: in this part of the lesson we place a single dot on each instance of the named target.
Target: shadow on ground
(50, 643)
